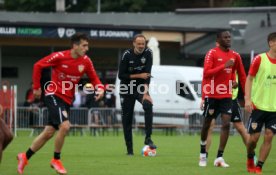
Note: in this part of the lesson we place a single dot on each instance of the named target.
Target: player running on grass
(67, 69)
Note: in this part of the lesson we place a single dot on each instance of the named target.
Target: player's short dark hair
(271, 37)
(219, 33)
(77, 37)
(139, 35)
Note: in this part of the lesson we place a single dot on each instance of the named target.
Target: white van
(175, 91)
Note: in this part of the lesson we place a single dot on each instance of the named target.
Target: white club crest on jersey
(81, 68)
(143, 60)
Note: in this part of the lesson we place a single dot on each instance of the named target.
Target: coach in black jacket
(135, 74)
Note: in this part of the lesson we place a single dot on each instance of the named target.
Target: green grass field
(105, 155)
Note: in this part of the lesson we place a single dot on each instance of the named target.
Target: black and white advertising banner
(66, 32)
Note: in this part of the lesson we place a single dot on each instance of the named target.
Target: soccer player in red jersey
(236, 118)
(67, 69)
(260, 101)
(219, 67)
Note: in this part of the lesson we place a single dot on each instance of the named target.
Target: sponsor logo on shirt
(228, 70)
(219, 59)
(61, 76)
(139, 68)
(271, 77)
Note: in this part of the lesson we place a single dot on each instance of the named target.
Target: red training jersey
(217, 80)
(66, 74)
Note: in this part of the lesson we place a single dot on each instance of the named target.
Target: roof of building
(184, 20)
(255, 36)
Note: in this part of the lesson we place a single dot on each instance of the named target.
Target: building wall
(22, 58)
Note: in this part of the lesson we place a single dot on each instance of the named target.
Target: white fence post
(15, 109)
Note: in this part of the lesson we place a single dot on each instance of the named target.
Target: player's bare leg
(204, 133)
(209, 137)
(59, 141)
(38, 143)
(242, 130)
(251, 145)
(224, 134)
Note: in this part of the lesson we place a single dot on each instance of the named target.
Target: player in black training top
(135, 74)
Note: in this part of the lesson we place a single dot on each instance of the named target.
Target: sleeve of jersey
(148, 66)
(241, 73)
(209, 71)
(45, 62)
(91, 73)
(255, 66)
(123, 68)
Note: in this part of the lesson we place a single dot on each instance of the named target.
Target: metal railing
(103, 120)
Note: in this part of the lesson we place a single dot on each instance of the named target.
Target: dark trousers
(128, 103)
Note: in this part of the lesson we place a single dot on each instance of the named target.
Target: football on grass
(147, 151)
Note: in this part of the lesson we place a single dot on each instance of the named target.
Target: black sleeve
(123, 67)
(148, 64)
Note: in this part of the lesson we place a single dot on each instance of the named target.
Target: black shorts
(58, 110)
(236, 111)
(219, 106)
(259, 118)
